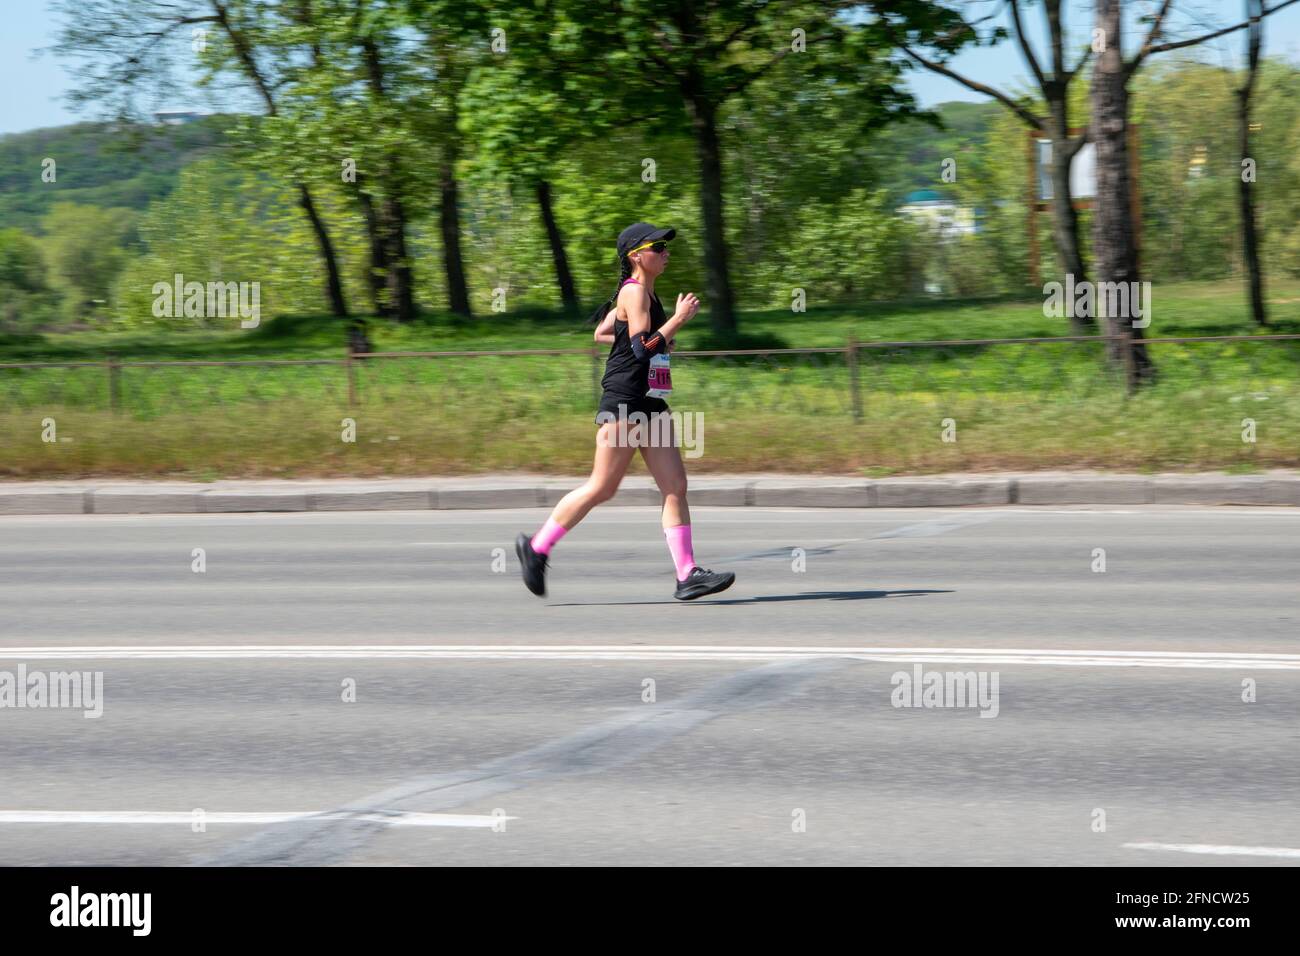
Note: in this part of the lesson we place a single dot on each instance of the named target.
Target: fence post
(114, 384)
(855, 389)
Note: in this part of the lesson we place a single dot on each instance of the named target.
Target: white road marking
(1216, 850)
(1222, 660)
(394, 819)
(196, 583)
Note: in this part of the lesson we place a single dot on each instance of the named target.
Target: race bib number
(661, 379)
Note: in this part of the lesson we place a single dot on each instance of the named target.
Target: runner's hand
(687, 306)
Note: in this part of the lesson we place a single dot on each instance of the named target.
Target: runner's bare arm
(635, 302)
(605, 331)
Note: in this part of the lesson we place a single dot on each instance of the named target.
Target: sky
(31, 86)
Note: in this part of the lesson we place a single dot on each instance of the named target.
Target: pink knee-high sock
(679, 543)
(545, 539)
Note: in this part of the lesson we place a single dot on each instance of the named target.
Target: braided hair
(624, 273)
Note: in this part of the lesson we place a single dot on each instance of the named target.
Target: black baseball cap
(640, 233)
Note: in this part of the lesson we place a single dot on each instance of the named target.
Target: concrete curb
(765, 490)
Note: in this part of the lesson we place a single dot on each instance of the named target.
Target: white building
(928, 206)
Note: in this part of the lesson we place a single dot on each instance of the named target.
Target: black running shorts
(609, 410)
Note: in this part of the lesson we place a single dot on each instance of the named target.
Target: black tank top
(627, 376)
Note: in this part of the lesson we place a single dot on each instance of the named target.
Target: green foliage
(818, 150)
(1191, 169)
(226, 224)
(22, 267)
(26, 299)
(86, 248)
(851, 248)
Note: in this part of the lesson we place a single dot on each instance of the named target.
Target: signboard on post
(1083, 184)
(1083, 171)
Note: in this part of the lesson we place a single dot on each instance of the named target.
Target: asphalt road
(492, 727)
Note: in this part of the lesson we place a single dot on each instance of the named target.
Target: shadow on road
(767, 598)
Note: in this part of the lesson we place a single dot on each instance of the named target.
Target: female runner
(636, 379)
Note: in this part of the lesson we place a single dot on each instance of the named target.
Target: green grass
(1014, 406)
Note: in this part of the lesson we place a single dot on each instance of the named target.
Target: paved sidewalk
(106, 496)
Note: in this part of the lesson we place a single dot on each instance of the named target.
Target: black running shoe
(702, 581)
(532, 564)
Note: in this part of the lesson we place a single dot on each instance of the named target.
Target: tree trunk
(449, 222)
(568, 292)
(1245, 192)
(357, 336)
(399, 278)
(1065, 220)
(377, 274)
(1114, 242)
(333, 285)
(722, 310)
(389, 218)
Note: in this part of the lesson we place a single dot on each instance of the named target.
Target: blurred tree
(278, 47)
(1246, 177)
(237, 19)
(524, 106)
(1114, 235)
(453, 38)
(1055, 123)
(669, 53)
(1185, 113)
(347, 106)
(1114, 238)
(22, 267)
(381, 93)
(25, 297)
(125, 47)
(1277, 118)
(369, 92)
(227, 223)
(86, 248)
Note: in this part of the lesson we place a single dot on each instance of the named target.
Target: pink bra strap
(627, 280)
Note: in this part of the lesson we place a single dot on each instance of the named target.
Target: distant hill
(101, 164)
(968, 119)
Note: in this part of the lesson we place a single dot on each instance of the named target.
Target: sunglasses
(659, 246)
